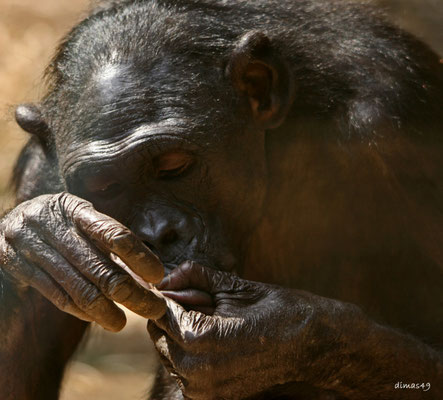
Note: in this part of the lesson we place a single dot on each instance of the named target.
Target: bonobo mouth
(190, 298)
(231, 267)
(223, 262)
(169, 267)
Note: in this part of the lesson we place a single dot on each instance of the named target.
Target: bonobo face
(160, 150)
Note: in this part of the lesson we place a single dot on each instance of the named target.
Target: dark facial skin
(285, 176)
(177, 188)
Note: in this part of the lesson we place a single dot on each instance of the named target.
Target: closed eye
(172, 165)
(112, 189)
(108, 191)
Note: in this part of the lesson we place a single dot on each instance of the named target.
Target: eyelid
(102, 184)
(172, 164)
(111, 191)
(171, 160)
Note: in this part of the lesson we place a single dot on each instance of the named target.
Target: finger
(174, 321)
(113, 236)
(184, 327)
(84, 294)
(191, 297)
(192, 275)
(202, 309)
(113, 281)
(47, 287)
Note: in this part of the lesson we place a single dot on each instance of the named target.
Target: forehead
(110, 82)
(133, 72)
(125, 108)
(116, 111)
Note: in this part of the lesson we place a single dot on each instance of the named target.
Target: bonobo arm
(51, 243)
(36, 338)
(36, 342)
(261, 337)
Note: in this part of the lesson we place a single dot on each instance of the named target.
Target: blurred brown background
(109, 366)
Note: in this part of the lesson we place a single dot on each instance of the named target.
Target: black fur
(359, 84)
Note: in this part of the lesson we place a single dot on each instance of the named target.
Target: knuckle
(117, 236)
(62, 200)
(89, 298)
(116, 233)
(25, 215)
(189, 267)
(118, 287)
(108, 232)
(68, 236)
(92, 302)
(35, 210)
(15, 227)
(68, 205)
(199, 329)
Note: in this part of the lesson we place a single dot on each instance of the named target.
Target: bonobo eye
(106, 190)
(111, 190)
(172, 165)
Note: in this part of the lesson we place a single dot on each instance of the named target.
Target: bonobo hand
(258, 335)
(60, 245)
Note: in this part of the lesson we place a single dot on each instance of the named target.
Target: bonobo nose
(170, 233)
(160, 234)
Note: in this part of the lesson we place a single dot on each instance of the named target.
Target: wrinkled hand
(258, 335)
(60, 245)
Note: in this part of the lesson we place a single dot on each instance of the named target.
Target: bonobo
(281, 162)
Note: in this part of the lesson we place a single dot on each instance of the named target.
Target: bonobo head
(159, 120)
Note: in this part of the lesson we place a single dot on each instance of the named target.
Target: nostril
(169, 237)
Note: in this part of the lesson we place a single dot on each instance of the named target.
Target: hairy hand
(250, 337)
(60, 245)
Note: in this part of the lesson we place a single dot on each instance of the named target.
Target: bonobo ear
(29, 117)
(258, 70)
